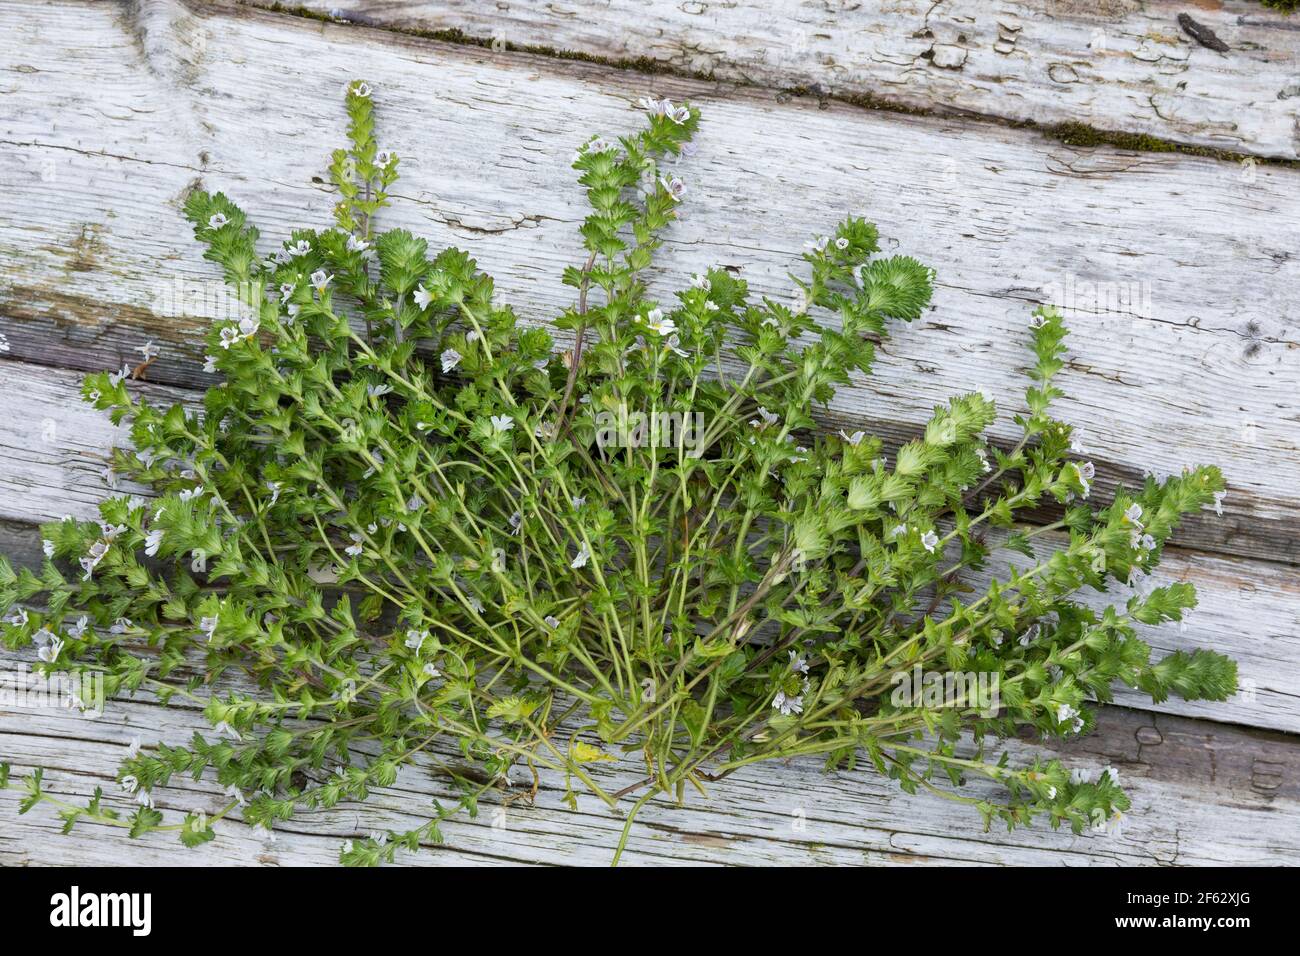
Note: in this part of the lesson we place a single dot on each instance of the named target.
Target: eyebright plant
(391, 530)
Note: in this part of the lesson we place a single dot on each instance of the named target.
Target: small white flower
(189, 494)
(1065, 712)
(48, 547)
(1112, 774)
(431, 671)
(383, 158)
(551, 621)
(855, 438)
(515, 520)
(841, 243)
(1051, 793)
(675, 188)
(1037, 321)
(1134, 513)
(133, 748)
(78, 629)
(656, 322)
(584, 555)
(415, 639)
(4, 342)
(359, 88)
(210, 363)
(1080, 776)
(152, 540)
(18, 618)
(145, 799)
(930, 540)
(225, 728)
(787, 705)
(274, 488)
(376, 391)
(356, 547)
(237, 794)
(797, 663)
(502, 423)
(320, 280)
(50, 652)
(148, 350)
(129, 784)
(1218, 502)
(357, 245)
(121, 626)
(700, 281)
(450, 359)
(217, 220)
(765, 418)
(423, 297)
(578, 501)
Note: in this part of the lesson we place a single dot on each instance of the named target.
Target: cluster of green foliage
(390, 531)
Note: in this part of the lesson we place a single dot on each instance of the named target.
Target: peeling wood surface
(1118, 65)
(1202, 794)
(1190, 354)
(53, 462)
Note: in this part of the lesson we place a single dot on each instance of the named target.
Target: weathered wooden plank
(1202, 794)
(182, 96)
(1125, 66)
(53, 462)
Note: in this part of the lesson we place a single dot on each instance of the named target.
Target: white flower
(578, 501)
(145, 799)
(217, 220)
(121, 626)
(431, 671)
(798, 663)
(898, 530)
(1134, 513)
(551, 621)
(515, 521)
(4, 342)
(930, 540)
(1218, 502)
(320, 280)
(225, 728)
(1029, 636)
(356, 547)
(359, 88)
(357, 245)
(1037, 321)
(1051, 793)
(148, 350)
(116, 378)
(841, 243)
(1079, 776)
(48, 547)
(656, 322)
(502, 423)
(383, 158)
(983, 456)
(286, 292)
(450, 359)
(208, 626)
(1065, 712)
(1112, 774)
(767, 418)
(817, 244)
(210, 364)
(274, 488)
(710, 306)
(674, 345)
(18, 618)
(50, 652)
(423, 297)
(375, 391)
(700, 281)
(78, 629)
(93, 557)
(415, 639)
(675, 188)
(787, 705)
(855, 438)
(129, 784)
(584, 555)
(152, 540)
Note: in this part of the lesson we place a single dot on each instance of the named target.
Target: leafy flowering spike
(407, 520)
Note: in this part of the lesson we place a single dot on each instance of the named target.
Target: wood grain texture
(1202, 794)
(1123, 65)
(1198, 365)
(53, 462)
(150, 99)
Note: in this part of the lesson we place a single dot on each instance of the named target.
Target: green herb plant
(395, 528)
